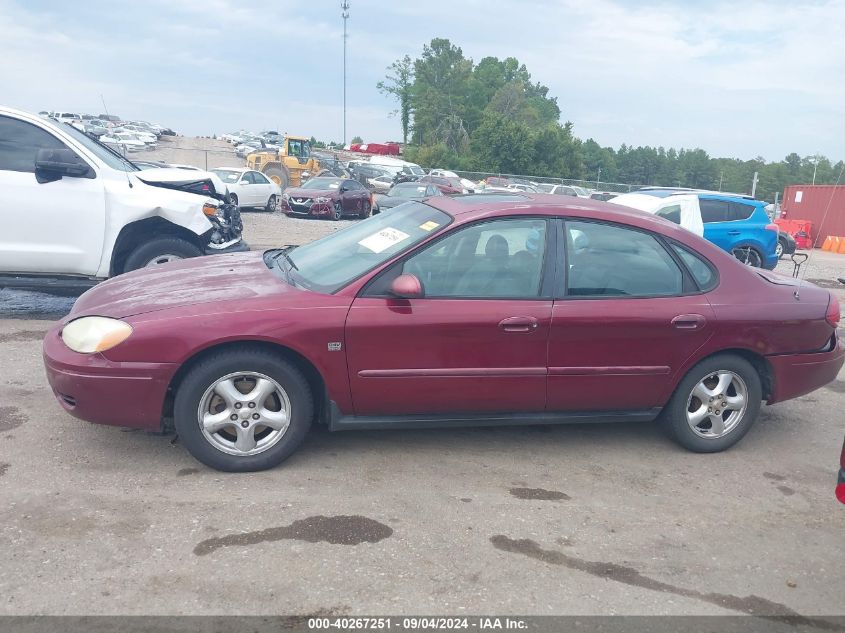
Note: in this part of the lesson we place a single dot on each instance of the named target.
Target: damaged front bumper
(227, 229)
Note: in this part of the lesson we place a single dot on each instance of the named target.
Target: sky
(738, 79)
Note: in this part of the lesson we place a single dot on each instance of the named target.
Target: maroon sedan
(328, 198)
(498, 309)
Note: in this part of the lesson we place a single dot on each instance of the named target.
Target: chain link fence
(597, 185)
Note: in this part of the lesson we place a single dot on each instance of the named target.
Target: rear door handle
(518, 324)
(689, 322)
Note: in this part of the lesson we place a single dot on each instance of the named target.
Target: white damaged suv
(77, 211)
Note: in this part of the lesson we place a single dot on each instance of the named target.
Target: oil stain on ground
(774, 476)
(10, 418)
(3, 468)
(336, 530)
(539, 494)
(752, 605)
(187, 471)
(26, 335)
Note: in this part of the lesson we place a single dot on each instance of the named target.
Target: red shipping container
(821, 205)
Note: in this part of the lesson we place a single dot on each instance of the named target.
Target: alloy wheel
(163, 259)
(748, 256)
(244, 413)
(717, 404)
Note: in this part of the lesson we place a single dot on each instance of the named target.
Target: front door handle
(689, 322)
(518, 324)
(733, 233)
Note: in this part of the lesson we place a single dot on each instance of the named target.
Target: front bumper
(795, 375)
(92, 388)
(315, 209)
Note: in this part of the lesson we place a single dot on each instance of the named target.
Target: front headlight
(321, 200)
(210, 208)
(88, 335)
(285, 196)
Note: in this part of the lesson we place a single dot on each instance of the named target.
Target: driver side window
(498, 259)
(20, 142)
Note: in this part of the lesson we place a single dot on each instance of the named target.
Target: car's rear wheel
(779, 249)
(160, 251)
(243, 410)
(715, 404)
(748, 255)
(271, 204)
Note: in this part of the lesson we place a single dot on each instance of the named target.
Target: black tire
(190, 392)
(749, 256)
(366, 211)
(780, 248)
(271, 204)
(338, 212)
(278, 174)
(674, 419)
(233, 199)
(146, 253)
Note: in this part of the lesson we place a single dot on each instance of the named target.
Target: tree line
(492, 117)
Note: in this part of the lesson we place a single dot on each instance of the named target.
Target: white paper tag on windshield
(384, 239)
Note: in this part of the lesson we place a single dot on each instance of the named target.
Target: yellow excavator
(289, 166)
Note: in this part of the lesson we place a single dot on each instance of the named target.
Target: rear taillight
(833, 314)
(773, 227)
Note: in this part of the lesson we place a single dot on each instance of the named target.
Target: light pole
(815, 166)
(598, 178)
(345, 15)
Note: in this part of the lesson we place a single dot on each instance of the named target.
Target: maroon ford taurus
(482, 309)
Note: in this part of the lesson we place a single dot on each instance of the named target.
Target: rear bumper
(795, 375)
(92, 388)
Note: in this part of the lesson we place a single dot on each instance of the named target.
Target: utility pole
(721, 175)
(754, 185)
(815, 165)
(345, 15)
(598, 178)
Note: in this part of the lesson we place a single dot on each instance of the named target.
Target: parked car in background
(66, 117)
(786, 244)
(518, 186)
(124, 139)
(404, 191)
(326, 197)
(735, 223)
(604, 196)
(147, 137)
(90, 128)
(109, 117)
(564, 190)
(511, 309)
(83, 213)
(363, 172)
(380, 184)
(249, 188)
(448, 186)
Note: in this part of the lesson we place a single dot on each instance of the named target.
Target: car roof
(239, 170)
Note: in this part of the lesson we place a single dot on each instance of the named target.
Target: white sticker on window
(429, 226)
(384, 239)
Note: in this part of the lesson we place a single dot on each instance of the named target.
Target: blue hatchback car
(736, 223)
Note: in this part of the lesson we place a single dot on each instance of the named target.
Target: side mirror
(53, 164)
(406, 286)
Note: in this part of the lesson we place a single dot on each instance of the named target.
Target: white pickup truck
(77, 212)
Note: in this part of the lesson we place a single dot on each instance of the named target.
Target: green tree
(399, 84)
(356, 139)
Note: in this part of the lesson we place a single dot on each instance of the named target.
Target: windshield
(227, 175)
(408, 191)
(333, 261)
(108, 156)
(417, 170)
(322, 183)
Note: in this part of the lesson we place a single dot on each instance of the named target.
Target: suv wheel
(748, 255)
(160, 251)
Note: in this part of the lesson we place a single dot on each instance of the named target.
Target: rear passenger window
(672, 213)
(611, 261)
(741, 211)
(714, 210)
(703, 274)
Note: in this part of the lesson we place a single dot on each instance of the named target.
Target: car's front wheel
(243, 410)
(715, 404)
(779, 249)
(271, 204)
(337, 212)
